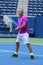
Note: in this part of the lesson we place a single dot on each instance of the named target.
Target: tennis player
(23, 34)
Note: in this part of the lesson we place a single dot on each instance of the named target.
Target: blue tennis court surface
(7, 49)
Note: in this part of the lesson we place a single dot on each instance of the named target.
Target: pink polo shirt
(20, 22)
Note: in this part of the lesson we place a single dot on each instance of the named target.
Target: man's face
(20, 12)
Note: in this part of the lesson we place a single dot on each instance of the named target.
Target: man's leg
(30, 49)
(26, 41)
(16, 52)
(17, 46)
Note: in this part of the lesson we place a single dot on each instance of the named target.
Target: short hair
(21, 9)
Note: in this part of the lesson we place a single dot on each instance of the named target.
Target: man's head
(20, 12)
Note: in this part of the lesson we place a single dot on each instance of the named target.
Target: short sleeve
(25, 19)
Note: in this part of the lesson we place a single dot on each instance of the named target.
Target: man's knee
(28, 44)
(17, 42)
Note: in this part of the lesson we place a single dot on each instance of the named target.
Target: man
(23, 35)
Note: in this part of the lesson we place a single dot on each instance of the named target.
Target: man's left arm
(22, 26)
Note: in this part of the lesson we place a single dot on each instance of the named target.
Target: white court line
(37, 44)
(8, 51)
(20, 43)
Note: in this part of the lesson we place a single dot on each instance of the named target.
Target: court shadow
(38, 58)
(26, 57)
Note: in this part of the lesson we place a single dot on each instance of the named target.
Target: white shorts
(23, 38)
